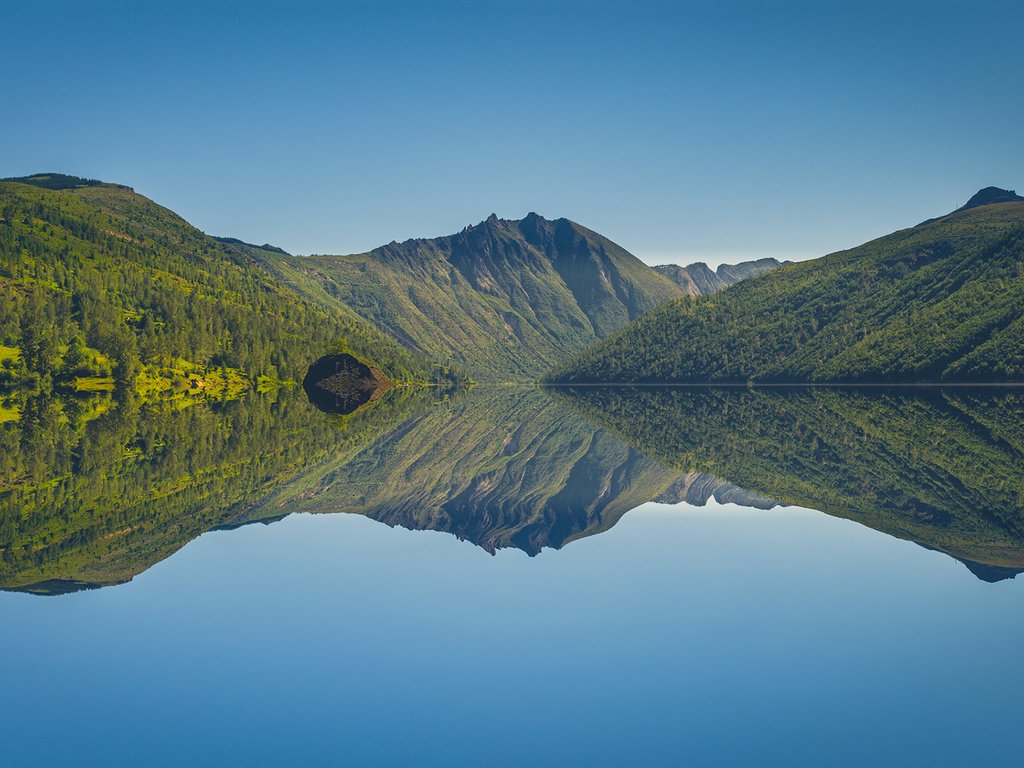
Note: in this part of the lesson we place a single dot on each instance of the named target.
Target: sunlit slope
(504, 299)
(92, 266)
(942, 301)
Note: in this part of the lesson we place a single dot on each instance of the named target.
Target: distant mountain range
(700, 280)
(939, 302)
(98, 283)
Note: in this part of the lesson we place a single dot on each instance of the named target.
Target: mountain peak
(992, 195)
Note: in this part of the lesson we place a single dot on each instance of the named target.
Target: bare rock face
(700, 280)
(697, 488)
(342, 383)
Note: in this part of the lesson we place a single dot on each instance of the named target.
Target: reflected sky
(710, 635)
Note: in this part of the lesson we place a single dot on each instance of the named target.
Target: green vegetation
(942, 301)
(56, 181)
(95, 490)
(504, 300)
(942, 468)
(97, 282)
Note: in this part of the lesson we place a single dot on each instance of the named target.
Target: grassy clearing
(185, 380)
(9, 353)
(93, 384)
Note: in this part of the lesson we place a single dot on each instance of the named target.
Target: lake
(514, 576)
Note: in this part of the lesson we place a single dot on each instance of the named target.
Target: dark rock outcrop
(341, 384)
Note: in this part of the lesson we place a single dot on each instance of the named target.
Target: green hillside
(942, 301)
(100, 283)
(944, 469)
(506, 300)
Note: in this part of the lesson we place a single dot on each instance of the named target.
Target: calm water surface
(677, 578)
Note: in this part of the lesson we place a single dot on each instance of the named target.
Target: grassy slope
(102, 248)
(940, 301)
(506, 300)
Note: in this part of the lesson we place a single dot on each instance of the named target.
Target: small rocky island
(342, 384)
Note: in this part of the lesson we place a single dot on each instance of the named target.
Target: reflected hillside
(500, 468)
(94, 492)
(942, 468)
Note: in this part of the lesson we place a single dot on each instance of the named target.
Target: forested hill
(699, 279)
(503, 299)
(98, 281)
(939, 302)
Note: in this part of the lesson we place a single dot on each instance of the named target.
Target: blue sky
(683, 131)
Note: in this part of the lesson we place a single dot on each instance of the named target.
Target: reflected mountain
(93, 492)
(92, 500)
(942, 468)
(499, 468)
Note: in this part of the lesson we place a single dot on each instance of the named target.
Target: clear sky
(683, 131)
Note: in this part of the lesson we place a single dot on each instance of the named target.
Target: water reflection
(500, 468)
(93, 492)
(341, 384)
(942, 468)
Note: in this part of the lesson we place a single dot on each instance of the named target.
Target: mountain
(699, 279)
(505, 300)
(941, 302)
(991, 195)
(99, 283)
(941, 468)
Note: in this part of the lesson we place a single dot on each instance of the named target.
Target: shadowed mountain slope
(942, 301)
(505, 300)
